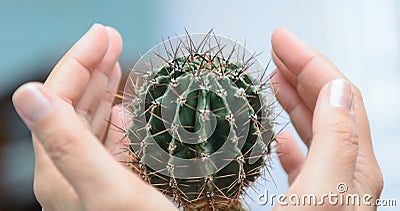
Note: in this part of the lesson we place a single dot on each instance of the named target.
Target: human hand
(328, 113)
(67, 115)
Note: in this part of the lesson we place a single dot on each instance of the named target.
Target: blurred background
(361, 37)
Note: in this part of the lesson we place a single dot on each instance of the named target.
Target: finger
(101, 117)
(49, 185)
(116, 142)
(290, 77)
(71, 75)
(362, 122)
(335, 145)
(311, 69)
(300, 115)
(100, 78)
(290, 155)
(366, 160)
(308, 100)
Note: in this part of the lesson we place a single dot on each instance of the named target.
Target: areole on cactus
(199, 120)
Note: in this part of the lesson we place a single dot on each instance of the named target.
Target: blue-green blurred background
(361, 37)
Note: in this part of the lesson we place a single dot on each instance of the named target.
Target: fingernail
(286, 29)
(341, 94)
(94, 26)
(92, 29)
(30, 103)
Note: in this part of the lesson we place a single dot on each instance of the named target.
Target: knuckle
(375, 180)
(344, 133)
(368, 170)
(59, 146)
(42, 194)
(378, 177)
(38, 190)
(86, 115)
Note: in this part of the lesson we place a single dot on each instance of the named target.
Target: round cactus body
(198, 122)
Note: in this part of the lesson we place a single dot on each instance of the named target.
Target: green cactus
(199, 125)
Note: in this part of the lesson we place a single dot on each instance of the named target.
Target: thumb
(79, 155)
(66, 140)
(334, 148)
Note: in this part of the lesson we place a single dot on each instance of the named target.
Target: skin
(338, 137)
(78, 155)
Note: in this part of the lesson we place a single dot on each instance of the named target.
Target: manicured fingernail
(341, 94)
(30, 103)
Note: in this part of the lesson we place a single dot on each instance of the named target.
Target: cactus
(198, 123)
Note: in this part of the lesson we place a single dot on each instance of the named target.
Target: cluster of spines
(213, 61)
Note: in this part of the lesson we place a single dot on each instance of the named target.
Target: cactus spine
(199, 125)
